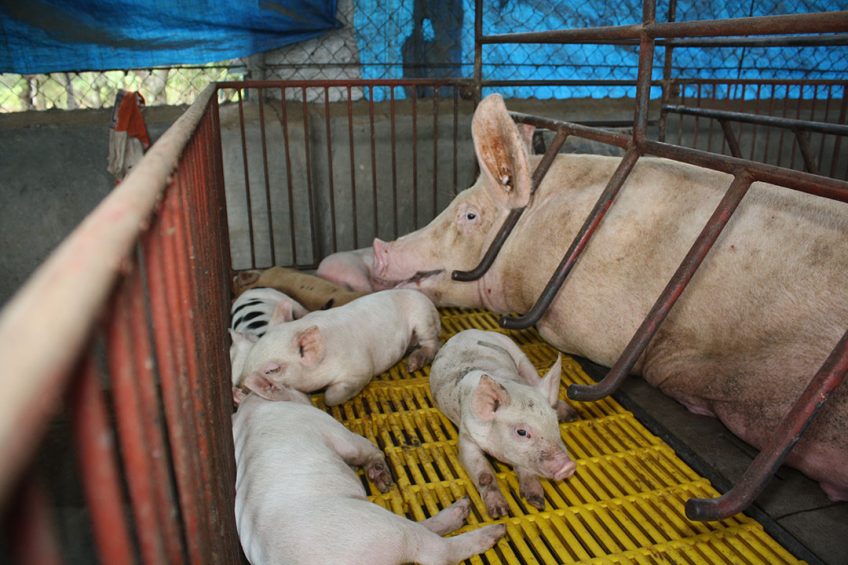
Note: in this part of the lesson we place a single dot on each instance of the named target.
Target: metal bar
(436, 96)
(289, 177)
(352, 168)
(85, 267)
(125, 376)
(376, 228)
(31, 534)
(513, 216)
(247, 199)
(478, 51)
(265, 171)
(571, 128)
(772, 121)
(95, 446)
(730, 137)
(789, 431)
(644, 73)
(820, 22)
(330, 185)
(665, 302)
(313, 218)
(666, 80)
(843, 112)
(414, 98)
(761, 41)
(803, 139)
(581, 240)
(394, 164)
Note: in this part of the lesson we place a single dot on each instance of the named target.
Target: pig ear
(283, 312)
(241, 337)
(261, 385)
(549, 386)
(488, 398)
(310, 345)
(239, 394)
(502, 153)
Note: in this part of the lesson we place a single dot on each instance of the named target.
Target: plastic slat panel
(623, 505)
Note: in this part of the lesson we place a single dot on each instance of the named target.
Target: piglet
(343, 348)
(487, 386)
(350, 269)
(313, 292)
(298, 501)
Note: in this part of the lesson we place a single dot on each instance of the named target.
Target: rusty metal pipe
(665, 302)
(773, 121)
(513, 217)
(581, 240)
(800, 416)
(732, 142)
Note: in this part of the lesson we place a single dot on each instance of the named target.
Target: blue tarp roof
(41, 36)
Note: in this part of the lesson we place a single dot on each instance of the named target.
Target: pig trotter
(379, 474)
(418, 359)
(565, 413)
(450, 519)
(531, 489)
(495, 502)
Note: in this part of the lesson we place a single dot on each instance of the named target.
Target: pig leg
(342, 392)
(427, 336)
(435, 550)
(531, 488)
(357, 451)
(450, 519)
(483, 475)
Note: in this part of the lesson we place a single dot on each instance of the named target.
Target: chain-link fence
(435, 38)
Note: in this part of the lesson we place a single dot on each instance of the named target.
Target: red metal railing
(125, 325)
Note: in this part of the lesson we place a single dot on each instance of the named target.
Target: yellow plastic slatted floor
(624, 504)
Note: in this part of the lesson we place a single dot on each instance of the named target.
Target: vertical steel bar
(131, 430)
(478, 51)
(697, 120)
(803, 139)
(666, 80)
(455, 140)
(246, 181)
(376, 228)
(713, 104)
(772, 97)
(289, 177)
(313, 218)
(436, 95)
(414, 157)
(730, 137)
(331, 186)
(352, 168)
(824, 118)
(665, 302)
(789, 431)
(581, 240)
(782, 131)
(837, 145)
(755, 127)
(644, 74)
(513, 216)
(267, 178)
(31, 533)
(797, 116)
(97, 459)
(394, 163)
(181, 430)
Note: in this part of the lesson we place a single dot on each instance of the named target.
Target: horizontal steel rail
(771, 121)
(821, 22)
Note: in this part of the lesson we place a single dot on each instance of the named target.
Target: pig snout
(559, 466)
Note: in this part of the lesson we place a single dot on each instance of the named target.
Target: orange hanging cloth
(128, 138)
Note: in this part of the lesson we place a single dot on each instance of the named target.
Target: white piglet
(251, 315)
(343, 348)
(299, 502)
(487, 386)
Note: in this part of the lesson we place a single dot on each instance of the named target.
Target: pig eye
(471, 216)
(522, 432)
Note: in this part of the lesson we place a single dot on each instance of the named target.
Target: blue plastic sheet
(41, 36)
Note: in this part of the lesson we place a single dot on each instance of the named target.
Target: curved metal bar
(830, 375)
(580, 241)
(514, 214)
(673, 290)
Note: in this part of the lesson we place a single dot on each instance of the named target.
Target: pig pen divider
(118, 341)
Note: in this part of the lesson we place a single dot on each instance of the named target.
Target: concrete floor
(792, 507)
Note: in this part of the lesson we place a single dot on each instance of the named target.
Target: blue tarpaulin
(42, 36)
